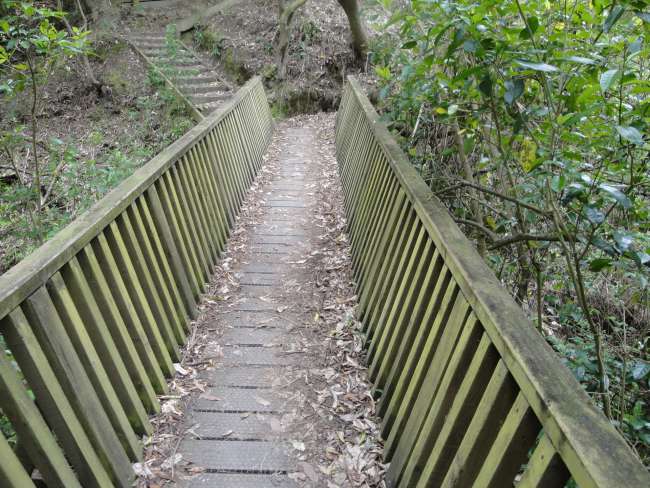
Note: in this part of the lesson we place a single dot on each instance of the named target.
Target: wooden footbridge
(468, 392)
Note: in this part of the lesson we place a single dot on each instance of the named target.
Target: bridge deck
(249, 427)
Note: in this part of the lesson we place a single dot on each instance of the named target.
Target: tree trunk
(357, 29)
(287, 9)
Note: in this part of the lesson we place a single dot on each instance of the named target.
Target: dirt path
(272, 393)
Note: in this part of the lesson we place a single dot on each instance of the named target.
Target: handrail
(422, 283)
(30, 273)
(95, 317)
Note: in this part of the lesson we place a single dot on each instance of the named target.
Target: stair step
(209, 107)
(151, 45)
(173, 61)
(197, 89)
(207, 98)
(200, 79)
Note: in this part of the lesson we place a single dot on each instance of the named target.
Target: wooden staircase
(203, 87)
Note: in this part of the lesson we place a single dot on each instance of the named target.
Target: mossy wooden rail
(469, 392)
(95, 317)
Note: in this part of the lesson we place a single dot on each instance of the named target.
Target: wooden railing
(470, 394)
(95, 317)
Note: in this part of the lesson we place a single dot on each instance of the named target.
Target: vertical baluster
(57, 347)
(172, 325)
(403, 307)
(134, 353)
(192, 191)
(176, 250)
(129, 310)
(12, 472)
(223, 179)
(545, 468)
(400, 275)
(171, 203)
(85, 347)
(204, 203)
(411, 339)
(195, 238)
(39, 442)
(212, 199)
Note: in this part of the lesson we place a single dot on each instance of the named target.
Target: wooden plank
(101, 338)
(481, 432)
(398, 302)
(92, 365)
(403, 361)
(222, 182)
(155, 315)
(36, 438)
(545, 468)
(129, 314)
(510, 449)
(366, 201)
(444, 355)
(194, 239)
(155, 260)
(12, 472)
(377, 244)
(446, 417)
(370, 236)
(387, 242)
(160, 268)
(205, 202)
(200, 228)
(394, 401)
(213, 200)
(53, 403)
(138, 298)
(392, 264)
(133, 353)
(174, 246)
(223, 163)
(76, 385)
(398, 333)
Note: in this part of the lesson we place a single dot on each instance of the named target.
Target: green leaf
(486, 86)
(383, 72)
(544, 67)
(514, 89)
(623, 241)
(599, 264)
(409, 45)
(4, 25)
(580, 59)
(594, 215)
(607, 78)
(630, 134)
(640, 370)
(613, 17)
(616, 194)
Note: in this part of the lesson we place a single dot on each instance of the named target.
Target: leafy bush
(530, 121)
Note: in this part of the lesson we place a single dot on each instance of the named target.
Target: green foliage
(30, 46)
(530, 120)
(209, 41)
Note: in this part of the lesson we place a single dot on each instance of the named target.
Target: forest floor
(242, 38)
(89, 142)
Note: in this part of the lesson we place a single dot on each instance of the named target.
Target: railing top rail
(24, 278)
(590, 446)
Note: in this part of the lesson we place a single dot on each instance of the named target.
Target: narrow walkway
(285, 402)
